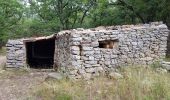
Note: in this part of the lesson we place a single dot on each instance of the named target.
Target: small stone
(161, 70)
(76, 48)
(165, 65)
(87, 52)
(115, 75)
(95, 44)
(75, 52)
(80, 29)
(91, 62)
(77, 39)
(75, 57)
(54, 75)
(134, 43)
(75, 35)
(162, 26)
(87, 48)
(87, 65)
(75, 43)
(90, 70)
(91, 58)
(99, 92)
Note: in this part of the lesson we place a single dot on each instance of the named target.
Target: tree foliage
(63, 14)
(10, 14)
(147, 10)
(27, 18)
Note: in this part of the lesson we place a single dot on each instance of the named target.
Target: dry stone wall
(140, 44)
(85, 53)
(62, 53)
(16, 56)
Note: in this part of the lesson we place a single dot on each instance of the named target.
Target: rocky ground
(18, 84)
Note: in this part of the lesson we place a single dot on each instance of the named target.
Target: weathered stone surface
(75, 57)
(87, 48)
(115, 75)
(55, 75)
(75, 52)
(16, 56)
(90, 70)
(165, 65)
(87, 52)
(76, 48)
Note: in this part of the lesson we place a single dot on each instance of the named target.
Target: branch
(130, 7)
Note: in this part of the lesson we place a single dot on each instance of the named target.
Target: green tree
(44, 17)
(10, 14)
(146, 10)
(65, 14)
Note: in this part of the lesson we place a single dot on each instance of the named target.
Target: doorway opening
(40, 54)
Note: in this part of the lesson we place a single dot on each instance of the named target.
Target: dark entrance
(40, 54)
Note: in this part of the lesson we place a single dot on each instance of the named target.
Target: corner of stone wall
(75, 54)
(16, 54)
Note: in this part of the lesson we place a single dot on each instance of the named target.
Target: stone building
(84, 53)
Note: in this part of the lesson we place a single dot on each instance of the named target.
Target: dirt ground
(18, 84)
(2, 60)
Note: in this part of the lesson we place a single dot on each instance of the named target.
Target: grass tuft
(139, 83)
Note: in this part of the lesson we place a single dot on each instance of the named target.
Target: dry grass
(17, 84)
(10, 73)
(139, 83)
(3, 51)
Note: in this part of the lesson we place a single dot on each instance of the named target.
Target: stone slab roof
(151, 25)
(33, 39)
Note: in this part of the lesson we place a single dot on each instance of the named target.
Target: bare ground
(2, 61)
(18, 84)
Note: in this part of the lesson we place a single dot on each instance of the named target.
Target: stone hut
(84, 53)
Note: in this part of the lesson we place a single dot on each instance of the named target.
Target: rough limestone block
(75, 48)
(90, 70)
(75, 57)
(77, 39)
(87, 52)
(75, 52)
(87, 48)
